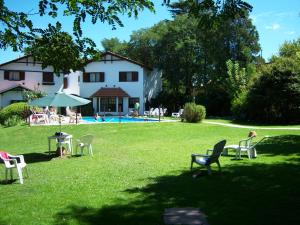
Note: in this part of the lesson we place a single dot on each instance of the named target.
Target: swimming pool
(116, 119)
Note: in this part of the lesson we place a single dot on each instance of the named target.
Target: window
(14, 75)
(48, 78)
(128, 76)
(108, 104)
(132, 101)
(93, 77)
(65, 83)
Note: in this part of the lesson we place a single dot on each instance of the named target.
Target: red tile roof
(110, 92)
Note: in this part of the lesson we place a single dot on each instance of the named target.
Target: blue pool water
(114, 119)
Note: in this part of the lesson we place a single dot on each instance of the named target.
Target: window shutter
(65, 82)
(101, 77)
(22, 75)
(135, 76)
(86, 77)
(122, 76)
(6, 75)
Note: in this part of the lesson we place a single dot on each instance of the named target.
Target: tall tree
(115, 45)
(17, 28)
(58, 49)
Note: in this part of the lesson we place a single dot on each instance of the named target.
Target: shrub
(12, 121)
(275, 98)
(194, 113)
(15, 109)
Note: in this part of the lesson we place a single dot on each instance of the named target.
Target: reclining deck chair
(85, 141)
(244, 145)
(13, 161)
(207, 160)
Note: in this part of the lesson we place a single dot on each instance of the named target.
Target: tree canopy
(275, 95)
(17, 29)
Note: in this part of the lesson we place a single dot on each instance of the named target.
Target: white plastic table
(61, 139)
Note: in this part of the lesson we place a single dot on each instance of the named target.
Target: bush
(194, 113)
(12, 121)
(15, 109)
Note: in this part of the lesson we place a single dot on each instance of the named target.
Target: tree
(275, 96)
(58, 49)
(115, 45)
(17, 29)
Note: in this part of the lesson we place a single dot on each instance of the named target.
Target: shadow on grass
(242, 194)
(280, 145)
(35, 157)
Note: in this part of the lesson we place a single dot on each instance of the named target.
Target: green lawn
(138, 170)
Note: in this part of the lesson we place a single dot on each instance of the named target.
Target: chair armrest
(242, 141)
(21, 157)
(208, 150)
(14, 161)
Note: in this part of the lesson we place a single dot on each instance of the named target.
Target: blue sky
(276, 21)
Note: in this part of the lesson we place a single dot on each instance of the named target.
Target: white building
(114, 83)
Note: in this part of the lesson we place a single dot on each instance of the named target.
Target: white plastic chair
(244, 145)
(177, 114)
(13, 161)
(155, 112)
(148, 113)
(85, 141)
(65, 140)
(73, 115)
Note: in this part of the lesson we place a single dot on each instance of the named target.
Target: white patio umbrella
(59, 99)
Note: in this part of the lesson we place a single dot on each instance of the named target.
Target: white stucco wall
(73, 85)
(111, 79)
(33, 76)
(147, 86)
(34, 79)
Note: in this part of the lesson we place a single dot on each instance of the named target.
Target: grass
(138, 170)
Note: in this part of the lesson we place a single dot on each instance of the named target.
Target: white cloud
(274, 26)
(290, 32)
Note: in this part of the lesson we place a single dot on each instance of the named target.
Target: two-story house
(114, 83)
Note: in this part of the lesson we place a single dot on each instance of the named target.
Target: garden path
(252, 127)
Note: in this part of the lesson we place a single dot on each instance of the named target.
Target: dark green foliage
(115, 45)
(192, 50)
(17, 29)
(275, 98)
(15, 109)
(194, 113)
(87, 110)
(12, 121)
(58, 49)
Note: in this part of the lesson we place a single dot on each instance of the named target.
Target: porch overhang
(110, 92)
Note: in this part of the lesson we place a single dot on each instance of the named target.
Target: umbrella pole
(76, 116)
(60, 124)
